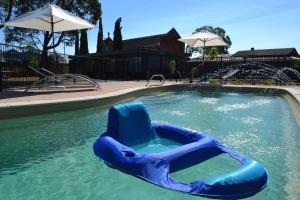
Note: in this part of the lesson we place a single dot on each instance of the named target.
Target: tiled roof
(148, 41)
(267, 53)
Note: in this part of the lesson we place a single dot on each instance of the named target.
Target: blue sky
(255, 23)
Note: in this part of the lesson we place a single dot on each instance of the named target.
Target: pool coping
(36, 107)
(22, 109)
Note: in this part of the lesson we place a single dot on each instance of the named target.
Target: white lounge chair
(54, 81)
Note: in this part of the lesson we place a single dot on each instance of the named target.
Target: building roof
(267, 53)
(152, 41)
(148, 44)
(148, 41)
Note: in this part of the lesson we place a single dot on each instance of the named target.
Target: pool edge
(13, 110)
(23, 109)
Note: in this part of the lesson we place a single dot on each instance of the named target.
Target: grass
(214, 82)
(21, 78)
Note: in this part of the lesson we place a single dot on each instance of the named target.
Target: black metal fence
(218, 63)
(140, 64)
(14, 62)
(135, 64)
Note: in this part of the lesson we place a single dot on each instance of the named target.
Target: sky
(254, 23)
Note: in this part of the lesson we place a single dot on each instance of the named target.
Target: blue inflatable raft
(129, 124)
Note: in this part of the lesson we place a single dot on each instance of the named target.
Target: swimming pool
(51, 157)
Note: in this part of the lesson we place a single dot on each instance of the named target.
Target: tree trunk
(84, 47)
(76, 43)
(44, 58)
(9, 12)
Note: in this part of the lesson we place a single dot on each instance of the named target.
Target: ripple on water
(242, 106)
(240, 139)
(207, 100)
(251, 120)
(252, 144)
(176, 113)
(260, 102)
(232, 94)
(230, 107)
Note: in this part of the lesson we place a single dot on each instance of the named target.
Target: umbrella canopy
(203, 39)
(50, 18)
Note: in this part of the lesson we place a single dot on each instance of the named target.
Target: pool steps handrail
(155, 76)
(179, 74)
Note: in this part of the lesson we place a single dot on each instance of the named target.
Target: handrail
(154, 76)
(179, 74)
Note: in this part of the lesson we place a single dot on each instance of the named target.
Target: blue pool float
(129, 124)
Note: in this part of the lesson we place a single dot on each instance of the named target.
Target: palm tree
(213, 53)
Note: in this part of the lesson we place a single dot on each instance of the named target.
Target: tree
(84, 47)
(76, 43)
(6, 9)
(213, 53)
(42, 40)
(219, 31)
(118, 41)
(100, 33)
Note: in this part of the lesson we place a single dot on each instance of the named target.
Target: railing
(162, 81)
(15, 62)
(15, 75)
(179, 74)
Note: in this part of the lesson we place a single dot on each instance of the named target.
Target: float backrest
(130, 124)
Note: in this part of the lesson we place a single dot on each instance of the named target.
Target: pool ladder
(163, 80)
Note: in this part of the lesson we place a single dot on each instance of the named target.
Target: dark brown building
(139, 59)
(253, 53)
(281, 57)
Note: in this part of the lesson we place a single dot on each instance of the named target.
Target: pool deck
(108, 89)
(293, 90)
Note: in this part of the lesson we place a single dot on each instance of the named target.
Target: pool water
(156, 145)
(51, 157)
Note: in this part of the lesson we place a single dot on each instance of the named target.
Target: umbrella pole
(53, 40)
(203, 58)
(203, 51)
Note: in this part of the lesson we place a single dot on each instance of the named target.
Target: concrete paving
(17, 97)
(109, 88)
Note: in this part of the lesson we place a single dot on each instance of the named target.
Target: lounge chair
(51, 80)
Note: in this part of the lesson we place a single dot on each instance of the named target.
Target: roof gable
(173, 33)
(152, 41)
(148, 41)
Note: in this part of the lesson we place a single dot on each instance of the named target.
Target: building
(253, 53)
(280, 57)
(139, 59)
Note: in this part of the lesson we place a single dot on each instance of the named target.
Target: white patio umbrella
(203, 39)
(50, 18)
